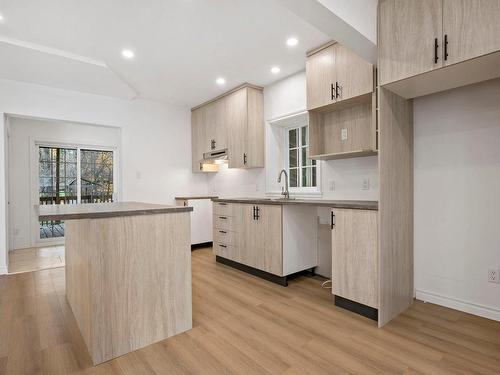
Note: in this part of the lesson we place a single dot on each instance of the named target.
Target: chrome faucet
(284, 191)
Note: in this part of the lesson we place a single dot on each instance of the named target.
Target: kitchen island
(128, 273)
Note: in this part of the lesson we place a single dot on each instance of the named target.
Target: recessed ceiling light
(292, 42)
(220, 81)
(275, 69)
(128, 54)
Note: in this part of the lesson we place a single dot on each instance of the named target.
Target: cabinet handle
(258, 212)
(222, 204)
(224, 246)
(245, 158)
(223, 232)
(254, 213)
(337, 89)
(223, 217)
(332, 90)
(436, 46)
(445, 47)
(332, 220)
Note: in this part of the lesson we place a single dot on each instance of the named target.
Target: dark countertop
(357, 205)
(104, 210)
(194, 197)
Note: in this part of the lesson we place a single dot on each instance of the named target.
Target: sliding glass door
(57, 178)
(69, 175)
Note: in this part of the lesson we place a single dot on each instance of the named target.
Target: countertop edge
(196, 197)
(105, 215)
(355, 205)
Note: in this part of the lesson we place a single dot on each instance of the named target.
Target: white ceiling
(181, 46)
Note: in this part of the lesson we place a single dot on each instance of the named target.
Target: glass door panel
(57, 184)
(96, 176)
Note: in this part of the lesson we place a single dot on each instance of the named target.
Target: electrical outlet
(331, 185)
(343, 134)
(494, 276)
(366, 184)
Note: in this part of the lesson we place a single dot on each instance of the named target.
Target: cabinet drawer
(224, 236)
(226, 251)
(226, 222)
(222, 208)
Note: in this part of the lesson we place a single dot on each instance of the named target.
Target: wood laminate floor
(36, 258)
(245, 325)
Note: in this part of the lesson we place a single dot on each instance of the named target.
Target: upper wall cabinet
(428, 46)
(409, 31)
(341, 104)
(232, 122)
(334, 75)
(471, 28)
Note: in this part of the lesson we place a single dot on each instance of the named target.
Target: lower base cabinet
(279, 240)
(355, 256)
(250, 235)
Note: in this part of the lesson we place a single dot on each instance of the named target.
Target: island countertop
(348, 204)
(104, 210)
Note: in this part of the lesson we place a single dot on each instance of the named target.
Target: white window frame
(301, 189)
(35, 183)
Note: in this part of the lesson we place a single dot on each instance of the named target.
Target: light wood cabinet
(341, 104)
(249, 234)
(320, 77)
(262, 237)
(215, 122)
(429, 46)
(471, 28)
(353, 74)
(355, 255)
(348, 132)
(233, 121)
(335, 74)
(245, 117)
(408, 31)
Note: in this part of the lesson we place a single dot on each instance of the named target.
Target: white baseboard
(458, 304)
(3, 270)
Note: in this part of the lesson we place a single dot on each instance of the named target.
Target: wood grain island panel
(128, 280)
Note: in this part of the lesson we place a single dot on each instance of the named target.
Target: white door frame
(35, 143)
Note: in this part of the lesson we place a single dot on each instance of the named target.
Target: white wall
(156, 140)
(457, 197)
(360, 14)
(25, 131)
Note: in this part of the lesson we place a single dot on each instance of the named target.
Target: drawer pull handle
(223, 246)
(223, 231)
(223, 217)
(222, 204)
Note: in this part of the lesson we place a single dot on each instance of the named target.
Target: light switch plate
(344, 134)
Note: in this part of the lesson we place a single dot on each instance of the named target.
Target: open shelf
(345, 155)
(344, 131)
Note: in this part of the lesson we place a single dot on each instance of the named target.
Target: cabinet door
(220, 126)
(353, 74)
(320, 76)
(407, 32)
(255, 129)
(471, 27)
(236, 119)
(263, 238)
(198, 137)
(355, 255)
